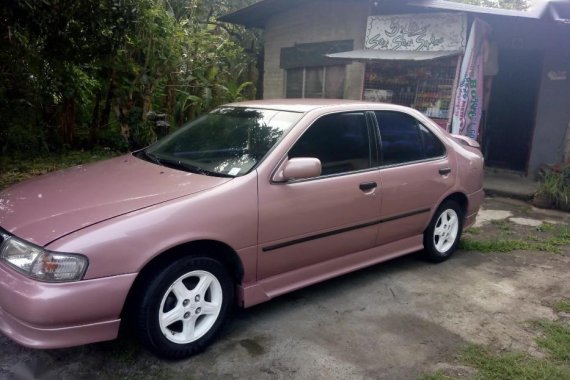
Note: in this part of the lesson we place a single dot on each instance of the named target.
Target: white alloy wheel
(190, 307)
(446, 230)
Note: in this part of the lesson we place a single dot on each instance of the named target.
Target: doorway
(511, 116)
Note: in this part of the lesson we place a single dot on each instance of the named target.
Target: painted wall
(315, 22)
(551, 136)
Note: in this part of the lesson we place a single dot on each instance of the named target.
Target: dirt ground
(396, 320)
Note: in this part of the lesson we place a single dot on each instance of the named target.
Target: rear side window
(340, 141)
(433, 147)
(405, 139)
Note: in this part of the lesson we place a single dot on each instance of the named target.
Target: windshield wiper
(151, 157)
(177, 164)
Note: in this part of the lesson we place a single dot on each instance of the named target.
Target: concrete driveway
(395, 320)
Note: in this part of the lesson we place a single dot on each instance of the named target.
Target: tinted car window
(433, 147)
(404, 139)
(340, 141)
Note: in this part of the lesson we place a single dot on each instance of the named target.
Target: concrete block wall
(315, 22)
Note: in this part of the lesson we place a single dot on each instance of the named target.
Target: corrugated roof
(468, 8)
(256, 15)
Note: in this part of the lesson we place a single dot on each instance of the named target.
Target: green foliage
(556, 340)
(562, 306)
(552, 245)
(558, 237)
(555, 185)
(78, 73)
(512, 366)
(501, 224)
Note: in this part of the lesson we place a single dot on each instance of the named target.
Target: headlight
(41, 264)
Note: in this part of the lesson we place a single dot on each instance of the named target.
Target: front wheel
(182, 309)
(443, 233)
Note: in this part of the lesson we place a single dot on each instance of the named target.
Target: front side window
(340, 141)
(405, 139)
(227, 142)
(315, 82)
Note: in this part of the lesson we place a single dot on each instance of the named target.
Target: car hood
(50, 206)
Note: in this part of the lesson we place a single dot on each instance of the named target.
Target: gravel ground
(395, 320)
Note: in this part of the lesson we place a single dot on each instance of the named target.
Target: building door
(511, 116)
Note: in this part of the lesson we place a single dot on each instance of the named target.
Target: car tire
(182, 309)
(443, 233)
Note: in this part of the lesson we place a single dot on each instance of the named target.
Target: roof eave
(468, 8)
(256, 15)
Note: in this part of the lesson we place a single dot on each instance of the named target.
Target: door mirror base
(298, 168)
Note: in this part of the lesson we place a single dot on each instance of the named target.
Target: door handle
(367, 186)
(444, 171)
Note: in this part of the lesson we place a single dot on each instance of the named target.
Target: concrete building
(321, 48)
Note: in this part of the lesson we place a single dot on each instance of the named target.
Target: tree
(82, 68)
(51, 57)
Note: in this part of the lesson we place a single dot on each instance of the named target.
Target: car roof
(306, 105)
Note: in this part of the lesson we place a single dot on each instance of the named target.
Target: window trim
(379, 142)
(371, 143)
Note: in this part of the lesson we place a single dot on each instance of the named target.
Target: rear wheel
(443, 233)
(183, 307)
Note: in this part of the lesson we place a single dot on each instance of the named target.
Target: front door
(311, 221)
(511, 116)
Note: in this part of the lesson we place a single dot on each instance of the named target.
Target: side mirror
(299, 168)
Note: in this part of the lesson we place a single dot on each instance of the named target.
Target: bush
(555, 185)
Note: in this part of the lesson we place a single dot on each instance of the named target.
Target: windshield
(227, 142)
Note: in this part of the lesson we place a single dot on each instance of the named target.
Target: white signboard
(417, 32)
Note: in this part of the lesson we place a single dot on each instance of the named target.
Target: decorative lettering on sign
(430, 32)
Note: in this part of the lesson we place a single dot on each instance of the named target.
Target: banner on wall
(469, 95)
(417, 32)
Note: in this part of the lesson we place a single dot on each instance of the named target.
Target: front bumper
(56, 315)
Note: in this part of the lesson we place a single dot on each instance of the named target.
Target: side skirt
(264, 290)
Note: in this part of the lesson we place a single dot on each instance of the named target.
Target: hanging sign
(469, 95)
(417, 32)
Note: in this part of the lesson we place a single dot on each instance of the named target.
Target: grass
(551, 239)
(502, 224)
(16, 169)
(546, 227)
(512, 365)
(553, 339)
(556, 340)
(474, 230)
(439, 375)
(562, 306)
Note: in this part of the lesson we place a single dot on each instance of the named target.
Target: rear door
(415, 173)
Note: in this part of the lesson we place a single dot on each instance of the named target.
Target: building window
(315, 82)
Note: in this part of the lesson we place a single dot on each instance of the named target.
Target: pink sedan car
(251, 201)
